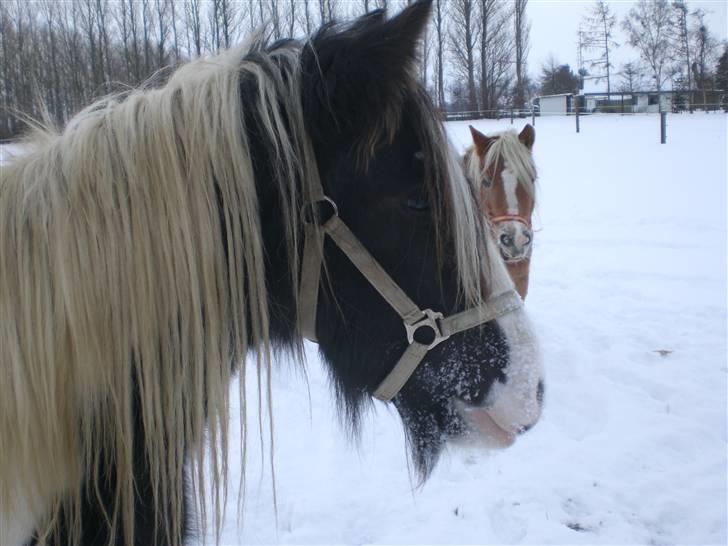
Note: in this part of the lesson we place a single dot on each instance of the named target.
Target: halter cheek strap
(413, 318)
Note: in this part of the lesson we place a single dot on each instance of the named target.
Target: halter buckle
(430, 320)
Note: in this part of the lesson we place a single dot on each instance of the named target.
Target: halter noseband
(510, 218)
(414, 318)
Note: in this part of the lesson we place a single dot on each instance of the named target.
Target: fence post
(663, 127)
(511, 116)
(533, 117)
(576, 109)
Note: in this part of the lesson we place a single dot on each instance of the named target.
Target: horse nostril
(506, 240)
(525, 428)
(527, 237)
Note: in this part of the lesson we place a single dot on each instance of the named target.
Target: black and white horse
(273, 192)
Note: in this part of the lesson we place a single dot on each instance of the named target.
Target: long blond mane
(114, 277)
(120, 294)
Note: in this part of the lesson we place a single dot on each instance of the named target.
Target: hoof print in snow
(663, 352)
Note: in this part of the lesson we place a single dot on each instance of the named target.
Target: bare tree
(307, 17)
(51, 84)
(440, 31)
(495, 52)
(7, 76)
(102, 8)
(327, 10)
(134, 30)
(146, 24)
(632, 77)
(291, 17)
(721, 71)
(163, 28)
(649, 29)
(463, 34)
(682, 42)
(522, 31)
(175, 38)
(705, 49)
(193, 20)
(598, 35)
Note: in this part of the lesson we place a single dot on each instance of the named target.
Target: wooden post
(576, 110)
(663, 127)
(511, 116)
(533, 117)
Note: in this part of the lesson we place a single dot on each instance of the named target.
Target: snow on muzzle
(514, 406)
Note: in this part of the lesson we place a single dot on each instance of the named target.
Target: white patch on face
(510, 183)
(515, 404)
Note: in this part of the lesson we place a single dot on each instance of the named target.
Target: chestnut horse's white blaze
(510, 184)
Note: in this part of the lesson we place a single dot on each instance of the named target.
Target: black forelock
(358, 75)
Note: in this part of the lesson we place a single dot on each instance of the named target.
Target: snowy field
(630, 260)
(628, 294)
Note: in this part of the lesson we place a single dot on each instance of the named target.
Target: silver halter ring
(429, 320)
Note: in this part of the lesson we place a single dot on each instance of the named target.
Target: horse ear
(481, 141)
(358, 78)
(528, 136)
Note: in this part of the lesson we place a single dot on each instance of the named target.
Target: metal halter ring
(430, 320)
(308, 211)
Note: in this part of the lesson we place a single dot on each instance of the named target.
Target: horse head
(502, 167)
(385, 162)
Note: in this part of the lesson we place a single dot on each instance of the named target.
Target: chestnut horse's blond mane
(116, 291)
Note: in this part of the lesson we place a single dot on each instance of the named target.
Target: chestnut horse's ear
(528, 136)
(480, 140)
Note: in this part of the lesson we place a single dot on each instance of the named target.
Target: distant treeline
(63, 54)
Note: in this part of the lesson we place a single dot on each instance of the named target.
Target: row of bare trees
(674, 45)
(489, 42)
(56, 56)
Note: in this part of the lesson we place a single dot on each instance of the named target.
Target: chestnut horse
(503, 166)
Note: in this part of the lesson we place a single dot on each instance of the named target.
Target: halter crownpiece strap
(412, 316)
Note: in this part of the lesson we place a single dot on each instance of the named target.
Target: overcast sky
(554, 25)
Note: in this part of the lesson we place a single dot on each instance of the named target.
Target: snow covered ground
(628, 294)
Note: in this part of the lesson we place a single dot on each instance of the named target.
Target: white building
(550, 105)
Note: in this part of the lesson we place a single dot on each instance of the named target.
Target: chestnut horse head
(502, 165)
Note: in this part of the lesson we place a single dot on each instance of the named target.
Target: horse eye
(418, 203)
(487, 182)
